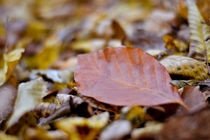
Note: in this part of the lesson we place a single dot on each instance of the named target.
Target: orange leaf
(124, 76)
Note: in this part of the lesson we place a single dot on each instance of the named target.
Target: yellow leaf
(135, 114)
(46, 57)
(3, 136)
(185, 66)
(29, 95)
(82, 128)
(2, 30)
(171, 43)
(199, 30)
(8, 62)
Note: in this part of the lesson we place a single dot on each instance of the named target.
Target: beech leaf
(124, 76)
(185, 66)
(29, 95)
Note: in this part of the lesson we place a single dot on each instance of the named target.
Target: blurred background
(65, 28)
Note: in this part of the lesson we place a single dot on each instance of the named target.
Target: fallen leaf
(117, 130)
(192, 126)
(135, 114)
(124, 76)
(146, 40)
(199, 32)
(8, 62)
(160, 26)
(49, 54)
(79, 128)
(193, 98)
(182, 83)
(205, 89)
(7, 99)
(74, 105)
(3, 136)
(59, 76)
(88, 45)
(177, 45)
(29, 95)
(185, 66)
(150, 131)
(40, 134)
(156, 53)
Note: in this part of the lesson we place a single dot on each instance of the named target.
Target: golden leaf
(200, 31)
(185, 66)
(83, 129)
(8, 61)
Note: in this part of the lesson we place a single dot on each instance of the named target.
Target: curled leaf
(124, 76)
(185, 66)
(193, 98)
(29, 95)
(8, 62)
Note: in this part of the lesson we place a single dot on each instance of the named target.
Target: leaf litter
(104, 69)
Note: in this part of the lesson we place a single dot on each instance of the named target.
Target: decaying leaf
(124, 76)
(74, 105)
(46, 56)
(147, 40)
(117, 130)
(158, 54)
(183, 83)
(88, 45)
(29, 95)
(150, 131)
(191, 126)
(116, 93)
(3, 136)
(8, 62)
(171, 43)
(59, 76)
(193, 98)
(199, 30)
(205, 89)
(136, 115)
(185, 66)
(160, 26)
(7, 98)
(79, 128)
(41, 134)
(46, 109)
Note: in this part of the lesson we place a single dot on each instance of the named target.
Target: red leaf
(193, 98)
(124, 76)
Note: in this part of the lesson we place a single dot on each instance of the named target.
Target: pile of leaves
(104, 69)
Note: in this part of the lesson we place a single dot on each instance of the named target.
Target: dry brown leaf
(7, 99)
(193, 98)
(124, 76)
(185, 66)
(193, 126)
